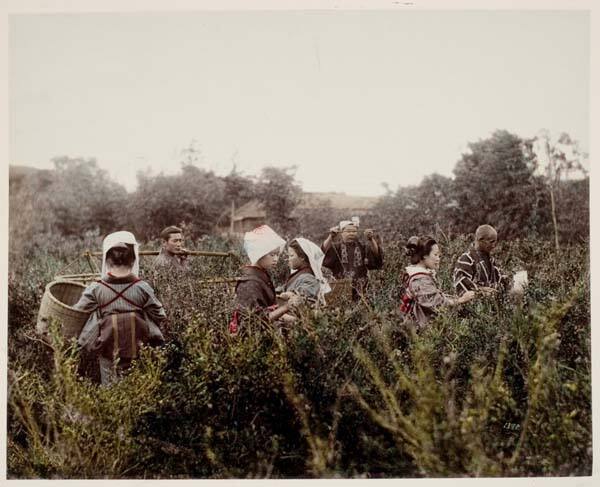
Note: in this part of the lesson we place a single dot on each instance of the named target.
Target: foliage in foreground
(494, 389)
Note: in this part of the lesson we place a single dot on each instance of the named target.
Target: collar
(480, 255)
(414, 269)
(109, 278)
(296, 273)
(253, 270)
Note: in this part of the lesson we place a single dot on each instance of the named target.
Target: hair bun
(411, 245)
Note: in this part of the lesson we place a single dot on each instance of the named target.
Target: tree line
(497, 181)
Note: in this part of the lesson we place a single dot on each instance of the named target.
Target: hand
(468, 296)
(285, 296)
(487, 291)
(369, 233)
(288, 319)
(294, 300)
(333, 231)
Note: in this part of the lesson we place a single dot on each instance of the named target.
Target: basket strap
(115, 328)
(119, 294)
(133, 337)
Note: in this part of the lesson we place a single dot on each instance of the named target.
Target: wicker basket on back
(341, 293)
(57, 303)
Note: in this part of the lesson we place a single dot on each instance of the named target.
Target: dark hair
(167, 232)
(419, 247)
(296, 246)
(121, 256)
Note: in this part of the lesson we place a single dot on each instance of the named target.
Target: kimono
(475, 269)
(353, 260)
(166, 260)
(125, 315)
(423, 298)
(304, 283)
(254, 293)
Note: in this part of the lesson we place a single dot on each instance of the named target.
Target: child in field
(254, 290)
(423, 298)
(125, 311)
(305, 259)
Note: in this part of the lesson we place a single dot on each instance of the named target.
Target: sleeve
(91, 328)
(307, 286)
(463, 274)
(160, 262)
(331, 260)
(87, 302)
(427, 294)
(247, 295)
(374, 260)
(153, 307)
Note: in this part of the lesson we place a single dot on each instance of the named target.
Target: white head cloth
(315, 259)
(116, 238)
(345, 223)
(260, 241)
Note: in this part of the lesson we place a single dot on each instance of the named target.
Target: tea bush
(492, 389)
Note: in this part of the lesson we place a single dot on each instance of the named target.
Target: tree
(279, 193)
(194, 198)
(556, 158)
(494, 183)
(84, 198)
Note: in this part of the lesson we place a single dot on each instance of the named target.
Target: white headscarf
(354, 221)
(315, 259)
(116, 238)
(260, 241)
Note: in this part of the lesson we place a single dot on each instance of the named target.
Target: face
(349, 233)
(294, 260)
(269, 261)
(175, 243)
(432, 261)
(487, 242)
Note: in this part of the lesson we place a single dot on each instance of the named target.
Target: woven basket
(340, 294)
(57, 303)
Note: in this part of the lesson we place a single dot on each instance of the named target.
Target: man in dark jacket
(350, 258)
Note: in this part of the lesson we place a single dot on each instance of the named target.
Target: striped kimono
(475, 269)
(125, 314)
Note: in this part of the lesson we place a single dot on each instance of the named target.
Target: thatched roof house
(252, 214)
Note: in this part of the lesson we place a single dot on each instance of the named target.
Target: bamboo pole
(219, 280)
(91, 262)
(82, 275)
(204, 253)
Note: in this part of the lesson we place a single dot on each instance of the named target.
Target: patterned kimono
(423, 298)
(475, 269)
(353, 260)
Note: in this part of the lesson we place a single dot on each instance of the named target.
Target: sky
(354, 99)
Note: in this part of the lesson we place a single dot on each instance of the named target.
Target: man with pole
(172, 255)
